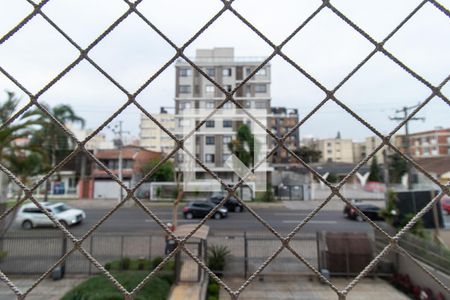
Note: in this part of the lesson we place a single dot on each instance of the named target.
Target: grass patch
(129, 272)
(100, 288)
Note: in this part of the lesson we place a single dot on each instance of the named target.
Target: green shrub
(213, 288)
(141, 265)
(156, 261)
(100, 288)
(217, 256)
(213, 298)
(108, 266)
(3, 255)
(125, 263)
(266, 196)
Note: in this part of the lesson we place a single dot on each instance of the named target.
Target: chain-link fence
(285, 242)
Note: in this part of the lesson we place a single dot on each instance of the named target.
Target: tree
(397, 168)
(55, 143)
(374, 171)
(243, 146)
(332, 178)
(50, 135)
(164, 172)
(20, 158)
(308, 155)
(21, 128)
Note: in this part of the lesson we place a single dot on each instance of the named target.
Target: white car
(30, 216)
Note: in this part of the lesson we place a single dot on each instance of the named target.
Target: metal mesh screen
(378, 47)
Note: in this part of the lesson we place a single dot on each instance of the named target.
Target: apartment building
(364, 148)
(152, 137)
(194, 92)
(336, 149)
(431, 143)
(281, 121)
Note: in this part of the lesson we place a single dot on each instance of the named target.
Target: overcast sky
(327, 48)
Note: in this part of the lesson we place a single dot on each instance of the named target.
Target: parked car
(232, 204)
(30, 216)
(370, 210)
(199, 209)
(446, 204)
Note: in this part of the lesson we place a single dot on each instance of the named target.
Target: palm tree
(9, 135)
(51, 137)
(20, 159)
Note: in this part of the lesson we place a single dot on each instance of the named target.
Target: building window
(185, 72)
(226, 140)
(185, 105)
(248, 71)
(227, 124)
(209, 158)
(260, 104)
(248, 91)
(210, 124)
(210, 140)
(260, 88)
(211, 72)
(225, 157)
(262, 72)
(184, 122)
(209, 89)
(209, 104)
(226, 72)
(228, 105)
(185, 89)
(228, 87)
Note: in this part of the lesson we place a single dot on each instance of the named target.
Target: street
(134, 220)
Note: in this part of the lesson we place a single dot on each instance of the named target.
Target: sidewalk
(303, 288)
(48, 289)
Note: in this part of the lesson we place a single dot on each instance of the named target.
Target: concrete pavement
(303, 288)
(47, 290)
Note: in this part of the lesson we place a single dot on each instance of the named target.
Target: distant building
(281, 121)
(194, 91)
(364, 148)
(438, 167)
(336, 149)
(97, 142)
(133, 159)
(152, 137)
(431, 143)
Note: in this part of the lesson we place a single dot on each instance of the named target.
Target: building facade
(366, 147)
(336, 150)
(152, 137)
(194, 92)
(281, 121)
(431, 143)
(134, 159)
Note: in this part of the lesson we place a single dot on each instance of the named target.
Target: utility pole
(405, 110)
(118, 130)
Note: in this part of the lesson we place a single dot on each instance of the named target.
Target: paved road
(133, 219)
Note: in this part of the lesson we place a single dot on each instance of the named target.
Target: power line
(405, 110)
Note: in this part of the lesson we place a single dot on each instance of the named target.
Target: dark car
(201, 209)
(370, 210)
(231, 204)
